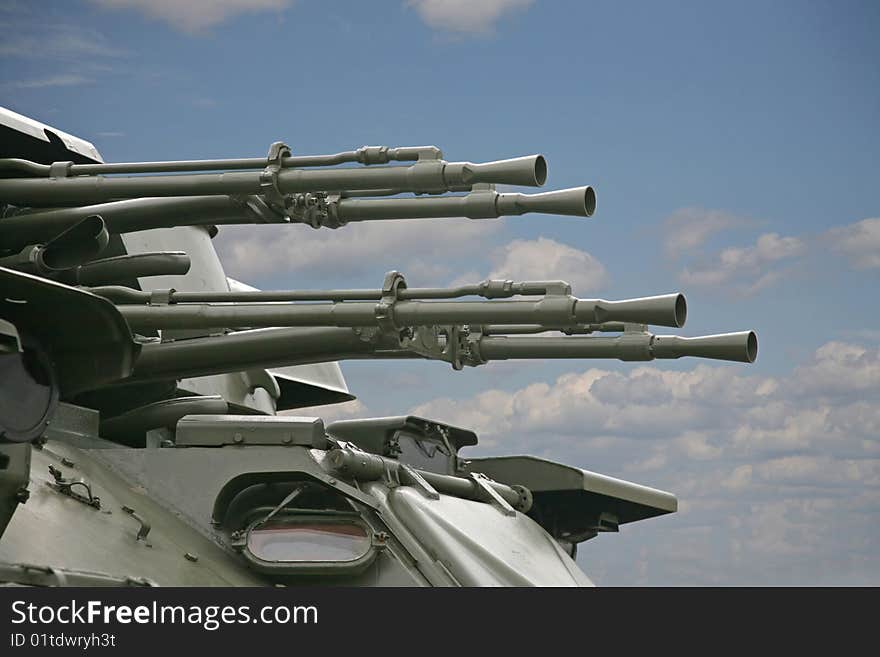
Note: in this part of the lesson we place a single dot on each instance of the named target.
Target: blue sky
(734, 150)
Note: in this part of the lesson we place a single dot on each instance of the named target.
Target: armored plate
(589, 493)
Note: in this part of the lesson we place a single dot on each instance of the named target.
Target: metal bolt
(237, 438)
(189, 556)
(67, 462)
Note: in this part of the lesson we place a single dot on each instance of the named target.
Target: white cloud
(646, 403)
(860, 242)
(752, 268)
(809, 470)
(428, 252)
(748, 269)
(194, 15)
(414, 246)
(697, 445)
(740, 479)
(840, 369)
(688, 229)
(544, 259)
(466, 16)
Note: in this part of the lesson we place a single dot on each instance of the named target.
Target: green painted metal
(429, 176)
(664, 310)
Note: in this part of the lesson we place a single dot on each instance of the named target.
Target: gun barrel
(488, 289)
(529, 329)
(126, 217)
(739, 347)
(364, 155)
(76, 245)
(552, 310)
(138, 214)
(244, 350)
(432, 176)
(276, 347)
(576, 202)
(118, 269)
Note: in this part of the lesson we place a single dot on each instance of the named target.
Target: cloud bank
(435, 252)
(748, 269)
(427, 251)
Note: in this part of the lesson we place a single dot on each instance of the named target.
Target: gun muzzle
(77, 245)
(741, 347)
(530, 171)
(663, 310)
(575, 202)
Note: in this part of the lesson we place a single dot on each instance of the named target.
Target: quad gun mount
(58, 219)
(119, 329)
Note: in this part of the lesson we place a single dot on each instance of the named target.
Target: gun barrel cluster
(58, 218)
(365, 324)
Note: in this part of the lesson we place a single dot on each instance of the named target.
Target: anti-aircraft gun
(140, 389)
